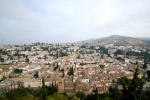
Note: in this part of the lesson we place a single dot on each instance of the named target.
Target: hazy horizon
(67, 21)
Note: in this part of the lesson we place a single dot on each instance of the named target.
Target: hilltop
(118, 41)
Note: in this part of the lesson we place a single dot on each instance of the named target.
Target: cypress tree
(132, 89)
(145, 65)
(43, 89)
(96, 94)
(71, 71)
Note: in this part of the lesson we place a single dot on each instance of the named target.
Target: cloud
(22, 19)
(71, 20)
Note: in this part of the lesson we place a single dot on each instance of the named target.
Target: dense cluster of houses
(87, 71)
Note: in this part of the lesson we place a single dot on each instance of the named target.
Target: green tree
(146, 95)
(45, 57)
(28, 97)
(90, 97)
(125, 84)
(120, 59)
(3, 97)
(132, 89)
(78, 57)
(136, 63)
(115, 93)
(148, 73)
(11, 58)
(19, 93)
(118, 52)
(75, 98)
(50, 98)
(96, 94)
(17, 70)
(80, 95)
(38, 92)
(71, 72)
(27, 59)
(36, 75)
(2, 59)
(107, 98)
(63, 73)
(52, 89)
(57, 96)
(102, 66)
(145, 65)
(56, 67)
(43, 95)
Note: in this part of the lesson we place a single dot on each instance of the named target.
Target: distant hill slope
(118, 41)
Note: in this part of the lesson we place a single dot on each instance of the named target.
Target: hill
(118, 41)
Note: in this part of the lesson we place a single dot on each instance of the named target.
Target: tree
(120, 59)
(56, 67)
(90, 97)
(52, 89)
(118, 52)
(148, 73)
(10, 57)
(115, 93)
(132, 89)
(36, 75)
(78, 57)
(80, 95)
(71, 72)
(96, 94)
(57, 96)
(19, 94)
(63, 73)
(103, 49)
(125, 84)
(146, 95)
(2, 59)
(28, 97)
(38, 92)
(61, 54)
(145, 65)
(75, 98)
(3, 97)
(45, 57)
(102, 66)
(136, 63)
(50, 98)
(17, 70)
(27, 59)
(43, 95)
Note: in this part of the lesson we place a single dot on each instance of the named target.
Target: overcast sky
(50, 21)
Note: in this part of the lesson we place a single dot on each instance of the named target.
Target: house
(69, 88)
(146, 86)
(32, 82)
(82, 86)
(61, 86)
(6, 70)
(100, 87)
(9, 85)
(1, 74)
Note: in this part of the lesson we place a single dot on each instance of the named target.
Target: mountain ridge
(118, 40)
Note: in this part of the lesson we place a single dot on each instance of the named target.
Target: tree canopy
(80, 95)
(132, 89)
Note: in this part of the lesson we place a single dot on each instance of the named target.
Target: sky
(62, 21)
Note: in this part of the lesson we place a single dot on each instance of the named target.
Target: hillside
(118, 41)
